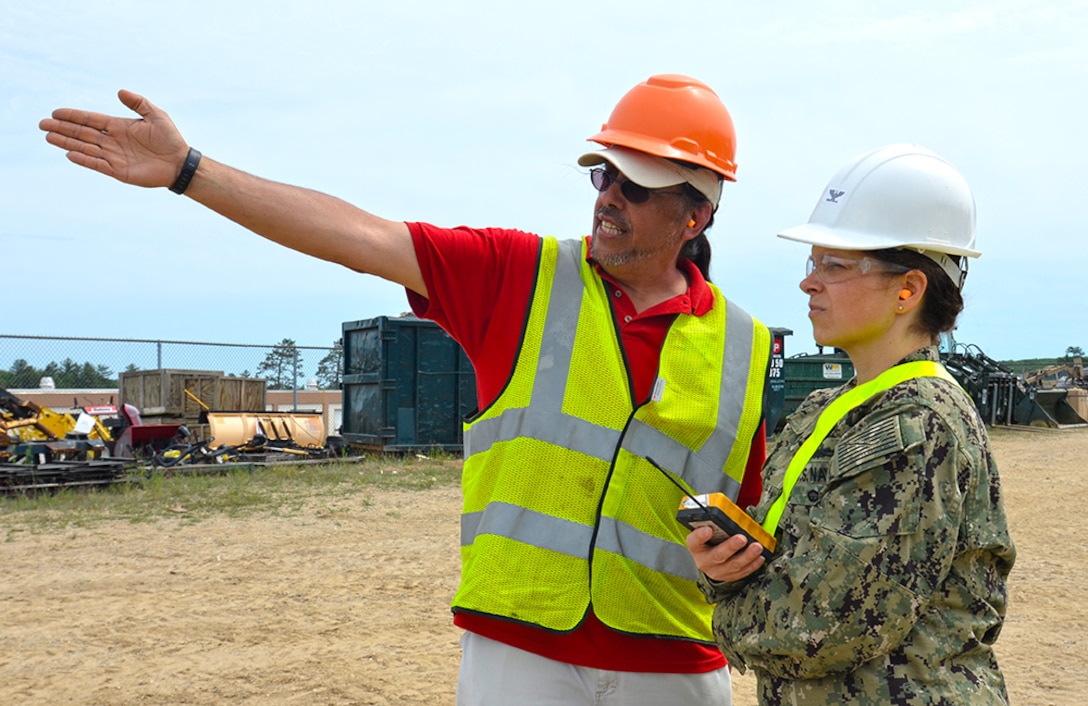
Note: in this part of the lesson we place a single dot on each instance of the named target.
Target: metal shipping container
(407, 385)
(807, 372)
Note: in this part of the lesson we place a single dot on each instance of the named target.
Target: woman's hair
(942, 302)
(698, 248)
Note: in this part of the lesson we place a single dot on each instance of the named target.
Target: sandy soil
(351, 606)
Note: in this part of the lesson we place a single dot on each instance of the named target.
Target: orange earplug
(905, 293)
(691, 223)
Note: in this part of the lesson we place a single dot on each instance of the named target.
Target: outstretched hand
(146, 151)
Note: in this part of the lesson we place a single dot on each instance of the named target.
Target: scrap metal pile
(1054, 397)
(42, 449)
(22, 478)
(248, 437)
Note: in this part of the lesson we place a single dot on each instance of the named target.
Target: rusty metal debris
(22, 479)
(45, 450)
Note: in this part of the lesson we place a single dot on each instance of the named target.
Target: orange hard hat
(675, 117)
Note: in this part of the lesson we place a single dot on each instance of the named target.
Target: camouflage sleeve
(866, 540)
(717, 591)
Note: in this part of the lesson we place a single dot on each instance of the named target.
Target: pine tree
(282, 367)
(330, 369)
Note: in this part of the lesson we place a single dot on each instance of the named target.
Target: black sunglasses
(634, 193)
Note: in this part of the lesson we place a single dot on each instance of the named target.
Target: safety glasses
(832, 269)
(602, 180)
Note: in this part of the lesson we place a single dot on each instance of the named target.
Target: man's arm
(149, 151)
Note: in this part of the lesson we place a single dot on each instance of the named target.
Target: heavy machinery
(36, 432)
(142, 441)
(1062, 389)
(1004, 397)
(1054, 397)
(1061, 375)
(43, 450)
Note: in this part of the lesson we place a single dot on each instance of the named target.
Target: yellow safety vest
(560, 508)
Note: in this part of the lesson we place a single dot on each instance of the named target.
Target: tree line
(65, 374)
(281, 367)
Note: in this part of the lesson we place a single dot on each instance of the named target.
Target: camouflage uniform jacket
(888, 585)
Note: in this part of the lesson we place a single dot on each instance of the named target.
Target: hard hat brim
(840, 239)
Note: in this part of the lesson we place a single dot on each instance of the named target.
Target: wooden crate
(161, 392)
(240, 395)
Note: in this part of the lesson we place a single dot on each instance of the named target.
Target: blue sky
(475, 113)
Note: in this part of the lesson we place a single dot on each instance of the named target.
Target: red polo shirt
(480, 283)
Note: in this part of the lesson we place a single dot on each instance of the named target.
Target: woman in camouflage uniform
(888, 581)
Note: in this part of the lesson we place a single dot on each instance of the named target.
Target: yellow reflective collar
(838, 409)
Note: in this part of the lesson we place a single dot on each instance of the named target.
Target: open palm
(146, 151)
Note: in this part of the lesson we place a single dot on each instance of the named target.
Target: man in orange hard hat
(592, 354)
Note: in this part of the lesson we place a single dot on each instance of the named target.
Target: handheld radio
(721, 514)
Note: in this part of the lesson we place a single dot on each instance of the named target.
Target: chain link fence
(28, 362)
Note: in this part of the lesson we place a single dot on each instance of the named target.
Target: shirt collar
(699, 294)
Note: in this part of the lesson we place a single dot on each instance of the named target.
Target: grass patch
(282, 489)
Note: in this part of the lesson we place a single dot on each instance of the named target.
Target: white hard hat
(897, 196)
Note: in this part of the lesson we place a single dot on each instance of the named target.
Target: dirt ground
(351, 606)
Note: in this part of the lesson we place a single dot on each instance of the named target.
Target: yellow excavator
(1062, 391)
(29, 427)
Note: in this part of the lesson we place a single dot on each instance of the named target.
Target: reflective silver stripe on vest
(661, 555)
(698, 471)
(549, 425)
(737, 357)
(547, 422)
(528, 527)
(572, 539)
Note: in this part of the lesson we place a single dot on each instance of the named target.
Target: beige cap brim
(655, 172)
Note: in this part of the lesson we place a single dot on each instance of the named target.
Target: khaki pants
(494, 674)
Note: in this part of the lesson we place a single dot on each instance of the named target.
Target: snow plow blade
(306, 429)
